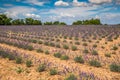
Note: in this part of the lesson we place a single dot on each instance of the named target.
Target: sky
(108, 11)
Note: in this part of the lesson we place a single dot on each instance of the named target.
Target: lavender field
(84, 52)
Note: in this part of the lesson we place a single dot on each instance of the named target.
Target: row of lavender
(63, 70)
(80, 32)
(86, 57)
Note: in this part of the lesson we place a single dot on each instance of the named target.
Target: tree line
(4, 20)
(87, 22)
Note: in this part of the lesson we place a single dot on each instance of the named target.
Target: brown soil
(8, 72)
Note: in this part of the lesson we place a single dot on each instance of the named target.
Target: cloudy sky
(63, 10)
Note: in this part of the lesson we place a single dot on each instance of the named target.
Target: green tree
(77, 23)
(4, 20)
(18, 22)
(88, 22)
(63, 23)
(56, 23)
(95, 21)
(37, 22)
(29, 21)
(48, 23)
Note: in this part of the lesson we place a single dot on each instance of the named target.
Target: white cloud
(97, 17)
(34, 2)
(19, 11)
(66, 15)
(61, 3)
(74, 11)
(35, 16)
(110, 15)
(2, 10)
(100, 1)
(110, 18)
(69, 15)
(79, 4)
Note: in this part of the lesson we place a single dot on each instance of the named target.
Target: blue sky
(108, 11)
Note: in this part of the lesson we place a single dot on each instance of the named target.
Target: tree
(4, 20)
(59, 23)
(37, 22)
(56, 23)
(63, 23)
(87, 22)
(29, 21)
(18, 22)
(48, 23)
(77, 23)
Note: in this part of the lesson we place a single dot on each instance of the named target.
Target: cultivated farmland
(85, 52)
